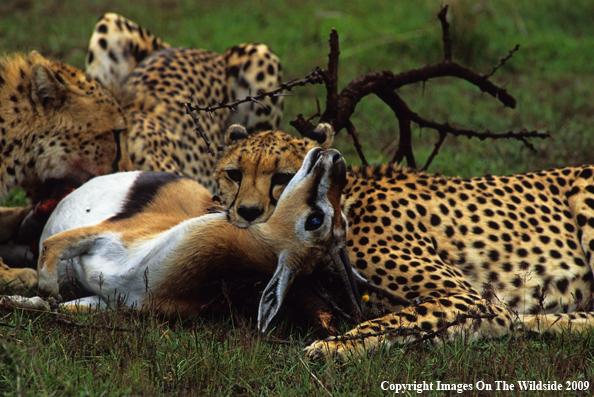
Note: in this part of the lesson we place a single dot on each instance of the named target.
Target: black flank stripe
(143, 191)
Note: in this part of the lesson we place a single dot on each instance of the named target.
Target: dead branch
(315, 77)
(198, 129)
(61, 320)
(416, 331)
(2, 324)
(341, 107)
(402, 112)
(502, 61)
(353, 133)
(331, 78)
(445, 28)
(434, 151)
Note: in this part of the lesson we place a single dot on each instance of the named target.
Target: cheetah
(58, 129)
(481, 256)
(152, 80)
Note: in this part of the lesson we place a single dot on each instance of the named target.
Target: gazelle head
(309, 229)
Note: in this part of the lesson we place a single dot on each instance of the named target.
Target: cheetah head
(60, 128)
(254, 170)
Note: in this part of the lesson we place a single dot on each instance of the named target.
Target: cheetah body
(513, 252)
(153, 80)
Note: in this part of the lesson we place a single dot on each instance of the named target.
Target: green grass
(552, 77)
(118, 353)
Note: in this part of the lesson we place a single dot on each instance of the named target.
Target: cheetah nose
(249, 213)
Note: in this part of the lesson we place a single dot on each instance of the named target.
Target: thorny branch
(445, 28)
(315, 77)
(414, 331)
(340, 108)
(502, 61)
(74, 324)
(198, 129)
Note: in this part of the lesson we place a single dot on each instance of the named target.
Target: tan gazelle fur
(156, 246)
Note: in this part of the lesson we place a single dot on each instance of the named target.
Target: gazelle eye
(281, 178)
(234, 175)
(314, 221)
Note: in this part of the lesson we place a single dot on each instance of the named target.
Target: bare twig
(303, 126)
(331, 80)
(445, 28)
(369, 83)
(414, 331)
(74, 324)
(434, 152)
(502, 62)
(12, 326)
(284, 342)
(315, 77)
(315, 377)
(198, 129)
(402, 112)
(318, 112)
(353, 133)
(446, 128)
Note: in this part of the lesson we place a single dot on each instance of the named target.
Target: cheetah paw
(324, 349)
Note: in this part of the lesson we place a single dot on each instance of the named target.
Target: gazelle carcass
(148, 239)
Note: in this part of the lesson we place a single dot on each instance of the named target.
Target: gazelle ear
(275, 292)
(48, 87)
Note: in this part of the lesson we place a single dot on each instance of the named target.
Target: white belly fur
(94, 202)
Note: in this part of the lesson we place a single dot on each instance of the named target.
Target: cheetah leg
(446, 318)
(116, 48)
(581, 202)
(250, 69)
(557, 323)
(20, 278)
(11, 220)
(60, 247)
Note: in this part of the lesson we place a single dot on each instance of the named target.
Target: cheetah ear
(34, 57)
(48, 88)
(235, 133)
(323, 134)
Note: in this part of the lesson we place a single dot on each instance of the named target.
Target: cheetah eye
(234, 175)
(281, 178)
(314, 221)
